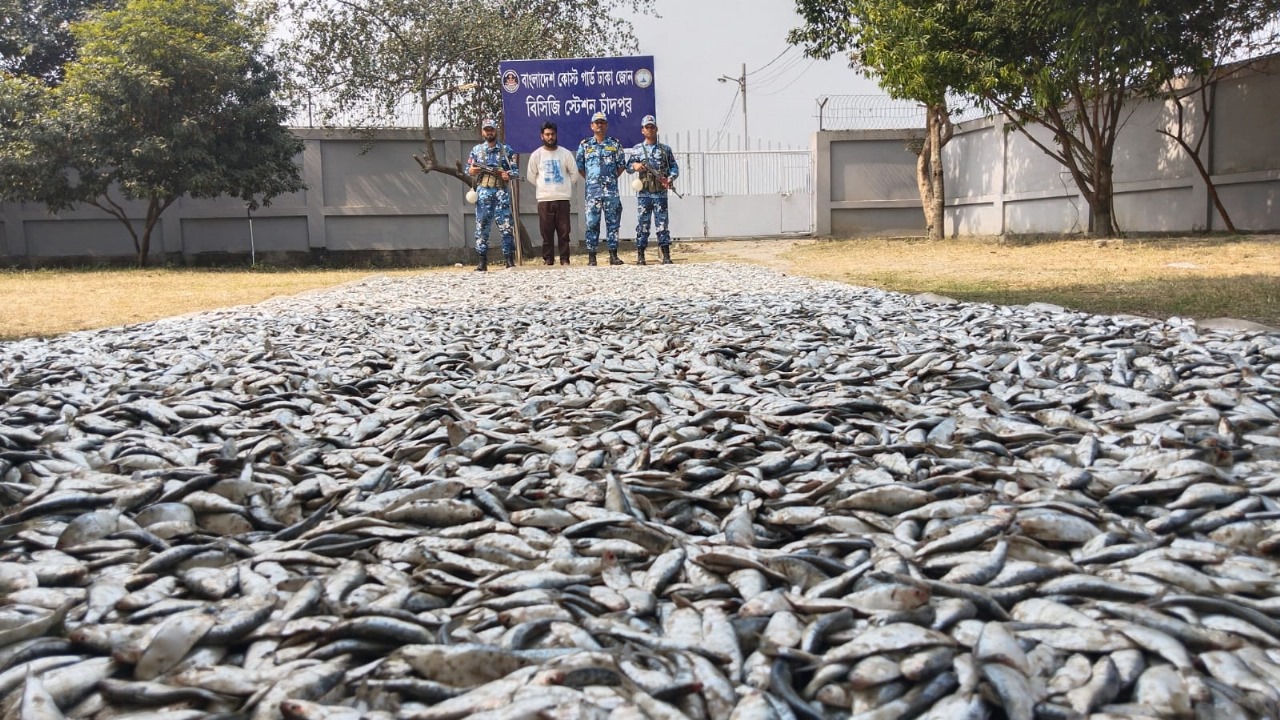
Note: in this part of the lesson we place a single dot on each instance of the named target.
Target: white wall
(999, 182)
(364, 203)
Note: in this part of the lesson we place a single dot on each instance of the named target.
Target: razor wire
(316, 110)
(878, 112)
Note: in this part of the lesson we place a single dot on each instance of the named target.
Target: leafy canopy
(917, 49)
(359, 59)
(1064, 64)
(166, 98)
(171, 97)
(35, 35)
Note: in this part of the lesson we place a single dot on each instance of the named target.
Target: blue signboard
(569, 91)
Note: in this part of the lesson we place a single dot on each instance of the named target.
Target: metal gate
(736, 193)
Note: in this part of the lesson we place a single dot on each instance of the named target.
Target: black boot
(482, 265)
(666, 255)
(613, 257)
(591, 259)
(640, 256)
(509, 260)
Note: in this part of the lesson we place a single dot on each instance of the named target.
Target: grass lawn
(1198, 277)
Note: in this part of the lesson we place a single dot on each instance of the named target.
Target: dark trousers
(553, 220)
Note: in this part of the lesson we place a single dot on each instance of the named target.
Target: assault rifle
(649, 168)
(493, 170)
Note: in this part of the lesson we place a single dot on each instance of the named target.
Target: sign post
(513, 199)
(514, 194)
(569, 91)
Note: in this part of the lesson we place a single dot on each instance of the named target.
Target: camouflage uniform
(493, 199)
(651, 200)
(600, 163)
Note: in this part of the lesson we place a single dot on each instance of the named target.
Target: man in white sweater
(552, 170)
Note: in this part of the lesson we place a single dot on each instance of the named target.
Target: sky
(694, 42)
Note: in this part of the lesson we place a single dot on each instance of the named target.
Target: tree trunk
(923, 177)
(939, 118)
(1206, 177)
(1213, 194)
(1102, 216)
(154, 208)
(1206, 93)
(140, 244)
(139, 254)
(929, 175)
(1088, 158)
(1208, 97)
(428, 162)
(937, 200)
(1086, 149)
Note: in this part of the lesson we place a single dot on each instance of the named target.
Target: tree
(367, 56)
(1062, 64)
(1234, 38)
(892, 41)
(35, 35)
(1073, 68)
(1070, 68)
(166, 98)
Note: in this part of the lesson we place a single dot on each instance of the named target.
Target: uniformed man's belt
(491, 181)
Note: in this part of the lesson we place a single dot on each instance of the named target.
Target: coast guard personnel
(493, 164)
(658, 170)
(601, 160)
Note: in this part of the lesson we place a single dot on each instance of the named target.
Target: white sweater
(552, 173)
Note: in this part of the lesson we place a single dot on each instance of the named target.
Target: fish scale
(489, 504)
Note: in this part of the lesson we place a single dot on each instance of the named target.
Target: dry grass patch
(42, 303)
(1192, 277)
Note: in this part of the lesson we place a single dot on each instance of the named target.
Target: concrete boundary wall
(999, 183)
(370, 204)
(364, 203)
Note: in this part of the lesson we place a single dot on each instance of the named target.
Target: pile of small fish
(702, 491)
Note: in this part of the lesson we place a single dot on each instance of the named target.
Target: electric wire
(793, 81)
(781, 69)
(785, 50)
(780, 73)
(725, 123)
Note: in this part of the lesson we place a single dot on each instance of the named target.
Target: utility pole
(742, 85)
(746, 136)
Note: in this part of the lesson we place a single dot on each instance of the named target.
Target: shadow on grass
(151, 270)
(1248, 297)
(1211, 240)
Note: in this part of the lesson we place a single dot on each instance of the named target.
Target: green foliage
(909, 46)
(166, 98)
(917, 49)
(25, 129)
(363, 57)
(1066, 50)
(1064, 64)
(1072, 67)
(1230, 42)
(177, 97)
(35, 35)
